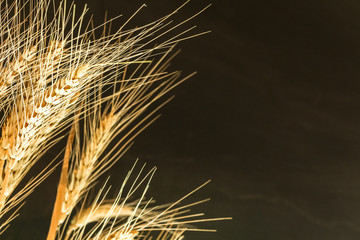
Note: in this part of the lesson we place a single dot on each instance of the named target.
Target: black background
(272, 117)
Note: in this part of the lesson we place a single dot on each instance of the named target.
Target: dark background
(272, 117)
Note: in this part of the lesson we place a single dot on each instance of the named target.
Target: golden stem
(61, 188)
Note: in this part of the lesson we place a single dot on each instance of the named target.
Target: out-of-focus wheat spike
(120, 235)
(116, 221)
(107, 210)
(79, 179)
(177, 234)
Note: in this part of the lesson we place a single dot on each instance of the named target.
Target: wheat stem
(61, 187)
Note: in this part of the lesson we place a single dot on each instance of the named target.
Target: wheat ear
(55, 69)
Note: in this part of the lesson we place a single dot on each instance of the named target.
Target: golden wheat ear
(55, 72)
(48, 72)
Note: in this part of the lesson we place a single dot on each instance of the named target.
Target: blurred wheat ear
(58, 73)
